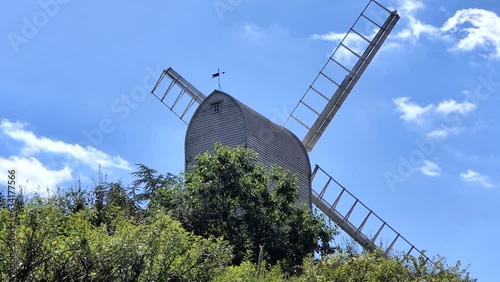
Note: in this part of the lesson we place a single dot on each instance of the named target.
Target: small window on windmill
(216, 107)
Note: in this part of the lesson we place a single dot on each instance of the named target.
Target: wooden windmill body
(222, 118)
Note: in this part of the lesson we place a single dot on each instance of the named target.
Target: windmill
(220, 117)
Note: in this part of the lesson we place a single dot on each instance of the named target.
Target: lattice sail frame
(176, 80)
(340, 74)
(355, 218)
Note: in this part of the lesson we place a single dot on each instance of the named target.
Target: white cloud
(352, 41)
(412, 31)
(427, 116)
(475, 28)
(451, 106)
(409, 7)
(472, 176)
(332, 36)
(253, 32)
(33, 145)
(411, 112)
(467, 30)
(33, 176)
(415, 30)
(265, 37)
(444, 132)
(430, 169)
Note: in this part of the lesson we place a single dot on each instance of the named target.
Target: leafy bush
(52, 246)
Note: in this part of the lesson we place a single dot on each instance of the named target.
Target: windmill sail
(341, 73)
(182, 103)
(355, 218)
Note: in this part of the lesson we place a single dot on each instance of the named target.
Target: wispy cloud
(33, 176)
(352, 41)
(430, 169)
(414, 28)
(36, 174)
(409, 7)
(411, 112)
(253, 32)
(468, 30)
(263, 36)
(452, 106)
(472, 176)
(482, 160)
(33, 145)
(444, 132)
(474, 29)
(331, 36)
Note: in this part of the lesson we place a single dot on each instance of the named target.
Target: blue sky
(415, 140)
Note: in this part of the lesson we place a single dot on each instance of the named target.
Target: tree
(50, 245)
(376, 266)
(229, 194)
(150, 181)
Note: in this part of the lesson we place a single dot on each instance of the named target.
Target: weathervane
(218, 74)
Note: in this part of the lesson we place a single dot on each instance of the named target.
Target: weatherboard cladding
(207, 128)
(238, 125)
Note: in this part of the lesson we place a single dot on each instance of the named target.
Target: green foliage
(229, 194)
(52, 246)
(344, 267)
(248, 272)
(150, 181)
(376, 267)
